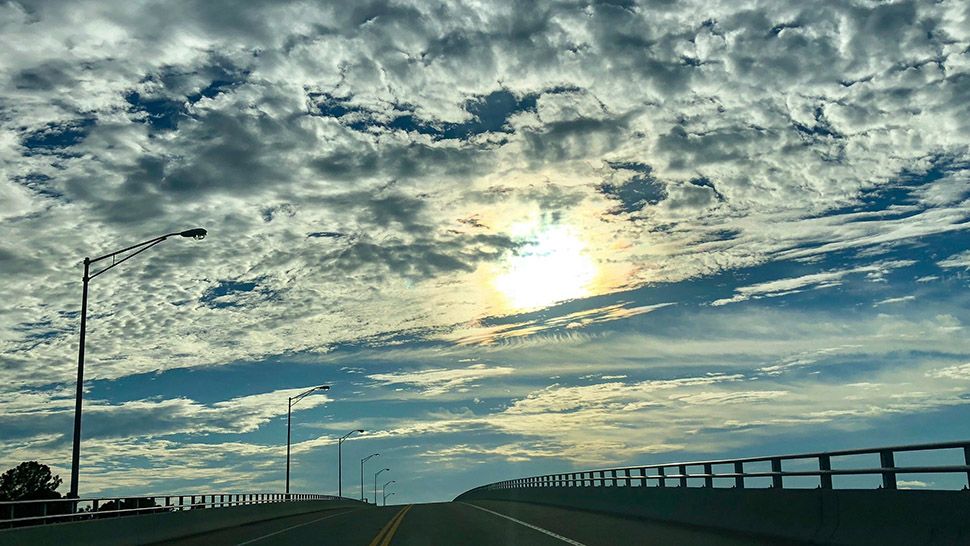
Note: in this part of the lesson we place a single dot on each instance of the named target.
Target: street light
(387, 495)
(362, 461)
(340, 461)
(289, 406)
(375, 483)
(383, 491)
(197, 233)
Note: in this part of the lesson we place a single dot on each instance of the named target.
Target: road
(482, 523)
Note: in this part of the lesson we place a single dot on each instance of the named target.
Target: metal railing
(660, 474)
(33, 512)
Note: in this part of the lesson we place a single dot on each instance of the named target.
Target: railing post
(739, 480)
(824, 464)
(776, 480)
(966, 461)
(643, 477)
(683, 475)
(708, 479)
(613, 482)
(662, 471)
(629, 483)
(886, 462)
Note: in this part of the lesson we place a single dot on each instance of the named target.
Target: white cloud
(900, 299)
(957, 260)
(778, 147)
(961, 372)
(783, 287)
(440, 381)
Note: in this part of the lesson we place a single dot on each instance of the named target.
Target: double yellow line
(387, 533)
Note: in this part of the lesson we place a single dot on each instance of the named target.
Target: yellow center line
(387, 528)
(390, 533)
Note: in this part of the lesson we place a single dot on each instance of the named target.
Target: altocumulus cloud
(365, 172)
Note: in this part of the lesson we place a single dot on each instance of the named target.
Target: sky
(513, 237)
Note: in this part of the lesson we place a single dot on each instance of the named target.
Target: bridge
(808, 498)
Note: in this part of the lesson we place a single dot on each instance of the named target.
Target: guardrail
(660, 474)
(33, 512)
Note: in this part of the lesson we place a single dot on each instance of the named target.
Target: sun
(551, 266)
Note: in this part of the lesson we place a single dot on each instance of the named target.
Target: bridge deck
(473, 524)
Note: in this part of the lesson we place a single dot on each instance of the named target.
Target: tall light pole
(384, 491)
(289, 407)
(197, 233)
(387, 495)
(340, 461)
(375, 483)
(362, 461)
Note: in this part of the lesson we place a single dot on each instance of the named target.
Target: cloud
(604, 117)
(961, 372)
(364, 171)
(913, 484)
(957, 260)
(900, 299)
(440, 381)
(782, 287)
(51, 412)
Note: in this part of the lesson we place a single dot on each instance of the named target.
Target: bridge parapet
(33, 512)
(144, 527)
(680, 473)
(825, 514)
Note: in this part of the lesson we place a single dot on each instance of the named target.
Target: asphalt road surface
(491, 523)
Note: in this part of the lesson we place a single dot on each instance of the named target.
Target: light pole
(362, 461)
(375, 483)
(384, 491)
(289, 407)
(387, 495)
(340, 461)
(197, 233)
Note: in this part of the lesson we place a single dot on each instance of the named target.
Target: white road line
(257, 539)
(529, 525)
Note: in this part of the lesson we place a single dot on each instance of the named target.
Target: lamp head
(323, 388)
(360, 430)
(197, 233)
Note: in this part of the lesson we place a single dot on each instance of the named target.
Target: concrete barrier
(151, 528)
(883, 517)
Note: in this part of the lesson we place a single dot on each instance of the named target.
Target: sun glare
(551, 267)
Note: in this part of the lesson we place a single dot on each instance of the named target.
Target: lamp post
(384, 489)
(289, 407)
(197, 233)
(375, 483)
(340, 461)
(387, 495)
(362, 461)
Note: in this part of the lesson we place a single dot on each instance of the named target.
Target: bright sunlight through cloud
(551, 267)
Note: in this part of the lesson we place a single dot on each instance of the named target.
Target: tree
(29, 480)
